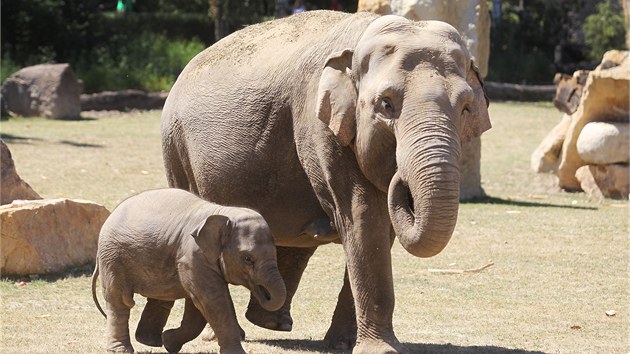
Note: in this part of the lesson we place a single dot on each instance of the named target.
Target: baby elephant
(168, 244)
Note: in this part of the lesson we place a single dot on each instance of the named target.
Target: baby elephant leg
(191, 326)
(118, 339)
(208, 334)
(152, 322)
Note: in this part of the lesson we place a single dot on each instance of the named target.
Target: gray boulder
(48, 90)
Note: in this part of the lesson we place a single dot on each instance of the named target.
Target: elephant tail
(94, 278)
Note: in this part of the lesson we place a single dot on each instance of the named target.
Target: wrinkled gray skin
(337, 128)
(169, 244)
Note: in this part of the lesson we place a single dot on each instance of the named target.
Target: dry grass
(561, 260)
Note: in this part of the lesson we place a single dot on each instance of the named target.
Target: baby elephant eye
(248, 260)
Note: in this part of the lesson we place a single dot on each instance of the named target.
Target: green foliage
(150, 62)
(108, 51)
(604, 30)
(521, 51)
(7, 67)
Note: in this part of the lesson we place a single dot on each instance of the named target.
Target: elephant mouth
(410, 202)
(263, 294)
(401, 205)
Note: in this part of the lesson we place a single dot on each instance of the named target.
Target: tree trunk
(218, 10)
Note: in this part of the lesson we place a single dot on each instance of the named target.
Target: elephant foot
(170, 341)
(208, 334)
(340, 341)
(276, 321)
(150, 339)
(372, 346)
(120, 348)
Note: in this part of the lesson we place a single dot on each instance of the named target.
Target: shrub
(604, 30)
(150, 62)
(7, 67)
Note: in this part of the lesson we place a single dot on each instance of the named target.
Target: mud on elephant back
(336, 127)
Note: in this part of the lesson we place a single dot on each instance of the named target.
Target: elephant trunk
(269, 290)
(423, 197)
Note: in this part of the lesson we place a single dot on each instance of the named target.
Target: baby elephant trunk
(269, 289)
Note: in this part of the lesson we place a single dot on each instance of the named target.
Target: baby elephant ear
(478, 120)
(337, 96)
(212, 231)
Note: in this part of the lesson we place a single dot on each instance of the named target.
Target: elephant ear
(212, 232)
(337, 96)
(477, 120)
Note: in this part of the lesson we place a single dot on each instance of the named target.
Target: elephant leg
(368, 255)
(119, 301)
(208, 334)
(118, 339)
(342, 333)
(152, 322)
(192, 324)
(291, 263)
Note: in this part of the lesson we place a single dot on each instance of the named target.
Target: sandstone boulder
(605, 98)
(380, 7)
(603, 143)
(569, 91)
(612, 181)
(45, 236)
(12, 187)
(48, 90)
(470, 170)
(546, 157)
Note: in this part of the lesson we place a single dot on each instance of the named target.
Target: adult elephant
(335, 127)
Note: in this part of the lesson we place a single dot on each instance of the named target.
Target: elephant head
(404, 99)
(248, 256)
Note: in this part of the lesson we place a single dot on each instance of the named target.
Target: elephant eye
(466, 109)
(248, 260)
(387, 106)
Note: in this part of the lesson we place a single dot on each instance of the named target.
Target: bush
(7, 67)
(150, 62)
(604, 30)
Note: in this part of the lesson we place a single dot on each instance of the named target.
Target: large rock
(380, 7)
(12, 187)
(48, 90)
(612, 181)
(603, 143)
(605, 98)
(546, 157)
(569, 91)
(46, 236)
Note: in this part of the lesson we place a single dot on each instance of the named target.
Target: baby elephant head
(248, 256)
